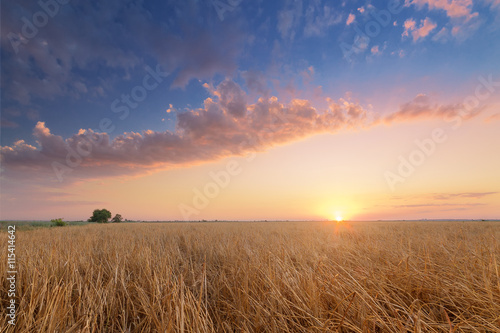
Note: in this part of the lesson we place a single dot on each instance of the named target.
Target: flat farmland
(256, 277)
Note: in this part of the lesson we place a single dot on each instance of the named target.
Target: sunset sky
(243, 110)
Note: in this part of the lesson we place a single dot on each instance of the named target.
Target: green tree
(58, 222)
(100, 216)
(117, 218)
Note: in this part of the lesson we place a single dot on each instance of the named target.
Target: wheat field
(257, 277)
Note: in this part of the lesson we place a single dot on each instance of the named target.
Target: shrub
(58, 222)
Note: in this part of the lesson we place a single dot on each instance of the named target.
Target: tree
(100, 216)
(117, 218)
(58, 222)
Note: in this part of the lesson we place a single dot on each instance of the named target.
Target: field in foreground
(257, 277)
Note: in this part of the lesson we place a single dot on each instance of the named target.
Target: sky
(250, 110)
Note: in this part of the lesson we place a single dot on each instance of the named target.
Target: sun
(338, 217)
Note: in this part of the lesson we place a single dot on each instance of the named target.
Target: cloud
(438, 205)
(453, 8)
(442, 36)
(256, 82)
(5, 123)
(202, 54)
(445, 201)
(493, 3)
(425, 28)
(44, 201)
(409, 25)
(11, 116)
(492, 118)
(421, 108)
(471, 195)
(375, 50)
(319, 19)
(289, 19)
(427, 25)
(463, 21)
(446, 196)
(44, 65)
(112, 40)
(226, 125)
(350, 19)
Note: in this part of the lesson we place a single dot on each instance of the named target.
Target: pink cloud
(350, 19)
(225, 126)
(421, 108)
(5, 123)
(472, 195)
(453, 8)
(375, 50)
(420, 32)
(425, 29)
(409, 25)
(463, 20)
(492, 118)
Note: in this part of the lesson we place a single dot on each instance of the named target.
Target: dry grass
(258, 277)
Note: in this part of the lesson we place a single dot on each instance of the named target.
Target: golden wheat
(257, 277)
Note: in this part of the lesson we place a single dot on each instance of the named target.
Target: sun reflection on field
(341, 226)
